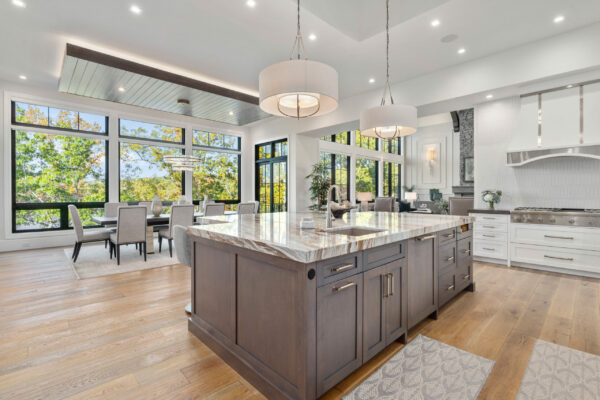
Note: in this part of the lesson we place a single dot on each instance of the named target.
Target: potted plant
(319, 185)
(491, 197)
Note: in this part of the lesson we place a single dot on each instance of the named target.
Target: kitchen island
(296, 311)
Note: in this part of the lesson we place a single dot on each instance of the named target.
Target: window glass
(145, 130)
(217, 175)
(392, 146)
(212, 139)
(366, 176)
(391, 179)
(33, 114)
(365, 142)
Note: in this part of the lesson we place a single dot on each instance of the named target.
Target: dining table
(151, 220)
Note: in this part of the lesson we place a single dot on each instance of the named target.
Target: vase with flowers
(491, 197)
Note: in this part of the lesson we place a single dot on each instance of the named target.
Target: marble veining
(279, 234)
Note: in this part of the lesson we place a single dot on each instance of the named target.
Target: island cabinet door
(396, 300)
(375, 281)
(339, 331)
(423, 276)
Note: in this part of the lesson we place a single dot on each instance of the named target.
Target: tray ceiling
(97, 75)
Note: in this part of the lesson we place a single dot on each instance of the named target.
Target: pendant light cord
(387, 53)
(298, 46)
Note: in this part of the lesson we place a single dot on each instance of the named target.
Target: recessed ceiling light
(23, 77)
(251, 3)
(489, 96)
(372, 80)
(230, 112)
(19, 3)
(462, 50)
(135, 9)
(312, 36)
(121, 89)
(435, 22)
(558, 19)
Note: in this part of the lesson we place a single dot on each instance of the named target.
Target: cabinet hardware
(467, 251)
(492, 236)
(489, 227)
(344, 287)
(489, 218)
(467, 277)
(559, 237)
(384, 282)
(451, 287)
(391, 282)
(450, 258)
(424, 238)
(450, 235)
(342, 268)
(489, 249)
(559, 258)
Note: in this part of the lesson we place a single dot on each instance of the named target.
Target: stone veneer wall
(466, 119)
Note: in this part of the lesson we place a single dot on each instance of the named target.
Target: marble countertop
(279, 234)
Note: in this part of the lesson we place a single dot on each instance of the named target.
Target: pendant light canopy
(388, 121)
(298, 88)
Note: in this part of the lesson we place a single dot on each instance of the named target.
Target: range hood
(519, 158)
(558, 122)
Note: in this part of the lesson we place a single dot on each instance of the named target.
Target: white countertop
(279, 234)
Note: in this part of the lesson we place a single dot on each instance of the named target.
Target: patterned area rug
(426, 369)
(558, 372)
(94, 260)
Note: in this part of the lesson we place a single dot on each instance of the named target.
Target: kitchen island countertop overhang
(280, 235)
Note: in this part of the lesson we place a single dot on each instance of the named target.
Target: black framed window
(340, 138)
(367, 176)
(392, 179)
(216, 140)
(393, 146)
(338, 167)
(33, 115)
(271, 175)
(365, 142)
(150, 131)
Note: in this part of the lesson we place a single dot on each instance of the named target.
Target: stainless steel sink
(353, 230)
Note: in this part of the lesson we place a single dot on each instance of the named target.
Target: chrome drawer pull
(344, 287)
(451, 287)
(559, 258)
(450, 235)
(391, 282)
(450, 258)
(559, 237)
(489, 227)
(467, 277)
(492, 236)
(342, 268)
(469, 251)
(488, 249)
(424, 238)
(489, 218)
(385, 284)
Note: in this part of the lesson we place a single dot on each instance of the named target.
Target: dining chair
(180, 215)
(247, 208)
(81, 235)
(131, 228)
(111, 209)
(384, 204)
(148, 205)
(213, 209)
(460, 205)
(183, 251)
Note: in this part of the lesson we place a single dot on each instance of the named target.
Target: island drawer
(447, 287)
(447, 256)
(338, 268)
(449, 235)
(464, 231)
(464, 274)
(383, 254)
(464, 248)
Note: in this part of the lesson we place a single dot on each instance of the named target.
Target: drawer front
(490, 249)
(573, 259)
(447, 287)
(464, 248)
(447, 256)
(498, 218)
(383, 254)
(449, 235)
(464, 231)
(464, 274)
(556, 236)
(491, 236)
(338, 268)
(481, 226)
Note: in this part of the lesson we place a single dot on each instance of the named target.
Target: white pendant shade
(298, 89)
(388, 121)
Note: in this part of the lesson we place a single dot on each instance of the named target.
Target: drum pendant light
(298, 88)
(388, 121)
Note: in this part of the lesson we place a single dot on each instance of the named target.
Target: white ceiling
(224, 41)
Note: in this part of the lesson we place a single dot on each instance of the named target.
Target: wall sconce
(431, 155)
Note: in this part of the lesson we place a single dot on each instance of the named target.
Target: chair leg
(171, 248)
(110, 249)
(159, 243)
(144, 244)
(74, 250)
(136, 246)
(118, 254)
(105, 243)
(139, 247)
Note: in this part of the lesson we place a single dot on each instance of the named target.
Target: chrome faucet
(329, 216)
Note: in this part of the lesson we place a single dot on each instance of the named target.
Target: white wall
(25, 92)
(559, 182)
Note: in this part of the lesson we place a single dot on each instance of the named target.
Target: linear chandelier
(388, 121)
(182, 162)
(298, 88)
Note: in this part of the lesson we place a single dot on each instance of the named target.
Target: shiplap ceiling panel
(92, 74)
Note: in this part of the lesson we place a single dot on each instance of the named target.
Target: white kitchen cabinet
(490, 237)
(591, 114)
(560, 118)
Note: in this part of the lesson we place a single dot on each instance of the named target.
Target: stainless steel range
(556, 216)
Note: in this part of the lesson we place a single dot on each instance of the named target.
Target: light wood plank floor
(125, 336)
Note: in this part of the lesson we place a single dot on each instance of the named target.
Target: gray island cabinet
(295, 312)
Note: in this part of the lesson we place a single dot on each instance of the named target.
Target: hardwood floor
(125, 336)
